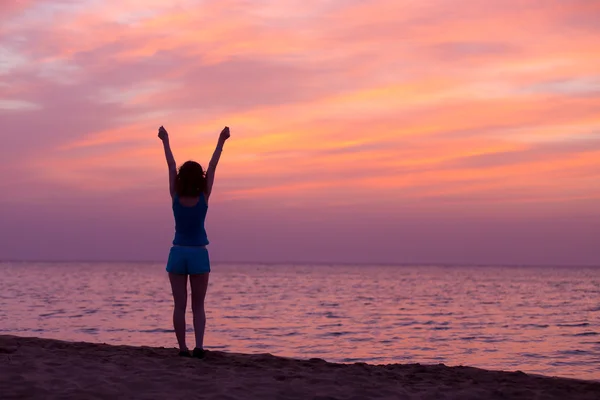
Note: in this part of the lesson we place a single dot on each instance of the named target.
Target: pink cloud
(386, 105)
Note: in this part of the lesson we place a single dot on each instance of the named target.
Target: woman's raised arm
(164, 136)
(214, 161)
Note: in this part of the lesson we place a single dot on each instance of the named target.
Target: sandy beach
(33, 368)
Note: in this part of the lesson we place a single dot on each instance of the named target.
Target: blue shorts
(188, 260)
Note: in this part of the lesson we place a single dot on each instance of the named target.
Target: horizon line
(316, 263)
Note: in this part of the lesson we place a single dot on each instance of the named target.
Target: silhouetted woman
(190, 190)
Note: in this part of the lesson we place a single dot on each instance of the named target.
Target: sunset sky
(384, 131)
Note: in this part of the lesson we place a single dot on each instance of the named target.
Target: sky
(381, 131)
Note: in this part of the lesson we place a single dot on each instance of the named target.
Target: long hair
(191, 181)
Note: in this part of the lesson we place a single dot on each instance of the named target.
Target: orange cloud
(367, 100)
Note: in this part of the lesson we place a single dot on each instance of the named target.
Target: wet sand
(34, 368)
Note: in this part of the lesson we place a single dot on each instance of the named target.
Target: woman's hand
(163, 134)
(224, 134)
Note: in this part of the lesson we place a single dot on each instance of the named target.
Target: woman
(190, 190)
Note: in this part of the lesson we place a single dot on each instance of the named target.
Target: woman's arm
(214, 161)
(164, 136)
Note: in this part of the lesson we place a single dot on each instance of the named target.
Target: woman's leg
(179, 287)
(199, 284)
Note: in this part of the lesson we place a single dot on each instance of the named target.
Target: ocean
(542, 320)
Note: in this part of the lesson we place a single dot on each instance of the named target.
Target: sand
(33, 368)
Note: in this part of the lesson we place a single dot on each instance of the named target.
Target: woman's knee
(180, 305)
(198, 306)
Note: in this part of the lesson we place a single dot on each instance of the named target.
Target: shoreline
(32, 368)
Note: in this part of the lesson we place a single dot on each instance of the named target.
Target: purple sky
(386, 131)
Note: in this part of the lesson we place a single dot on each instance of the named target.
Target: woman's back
(189, 221)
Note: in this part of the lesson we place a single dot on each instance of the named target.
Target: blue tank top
(189, 223)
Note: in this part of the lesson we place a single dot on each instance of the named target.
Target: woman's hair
(191, 181)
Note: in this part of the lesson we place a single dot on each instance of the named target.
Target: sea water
(543, 320)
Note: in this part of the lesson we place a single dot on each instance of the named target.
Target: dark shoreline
(34, 368)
